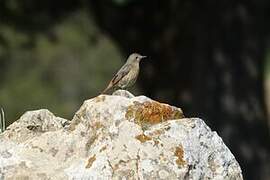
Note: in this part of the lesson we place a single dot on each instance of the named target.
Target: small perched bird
(128, 73)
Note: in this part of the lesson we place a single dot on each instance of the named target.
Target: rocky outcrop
(115, 137)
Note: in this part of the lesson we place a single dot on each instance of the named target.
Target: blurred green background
(56, 69)
(211, 58)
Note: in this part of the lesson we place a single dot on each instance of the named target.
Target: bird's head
(135, 57)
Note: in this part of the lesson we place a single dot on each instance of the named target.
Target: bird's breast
(130, 78)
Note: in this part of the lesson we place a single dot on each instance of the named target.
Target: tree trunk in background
(206, 58)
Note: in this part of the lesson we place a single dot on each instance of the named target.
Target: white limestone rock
(115, 137)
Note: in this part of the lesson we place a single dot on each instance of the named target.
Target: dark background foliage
(207, 57)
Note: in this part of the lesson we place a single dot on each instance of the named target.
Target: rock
(32, 124)
(115, 137)
(123, 93)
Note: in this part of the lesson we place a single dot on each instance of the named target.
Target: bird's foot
(123, 93)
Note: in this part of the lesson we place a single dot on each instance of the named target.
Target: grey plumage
(128, 73)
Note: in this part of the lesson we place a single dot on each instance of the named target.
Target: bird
(128, 73)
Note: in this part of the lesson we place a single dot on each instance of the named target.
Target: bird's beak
(142, 57)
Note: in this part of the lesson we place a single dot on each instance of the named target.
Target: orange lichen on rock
(179, 153)
(143, 138)
(157, 132)
(90, 161)
(152, 112)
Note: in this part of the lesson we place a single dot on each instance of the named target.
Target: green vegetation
(56, 69)
(2, 121)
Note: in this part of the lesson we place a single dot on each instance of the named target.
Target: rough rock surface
(115, 137)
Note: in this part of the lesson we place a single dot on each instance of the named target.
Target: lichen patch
(143, 138)
(91, 160)
(90, 141)
(179, 153)
(103, 148)
(152, 112)
(156, 142)
(157, 132)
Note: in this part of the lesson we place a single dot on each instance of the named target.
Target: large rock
(115, 137)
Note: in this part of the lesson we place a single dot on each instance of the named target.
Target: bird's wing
(118, 76)
(121, 73)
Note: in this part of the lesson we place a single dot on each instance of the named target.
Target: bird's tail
(107, 88)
